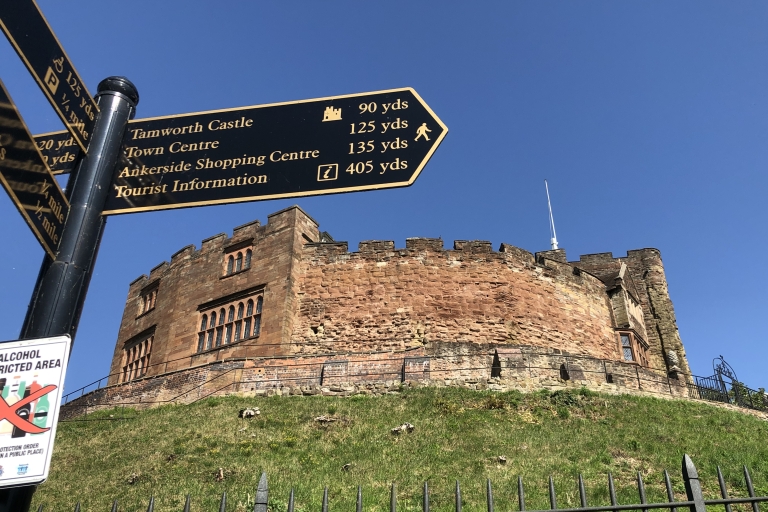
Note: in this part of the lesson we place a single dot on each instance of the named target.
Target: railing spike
(425, 499)
(393, 498)
(458, 497)
(262, 494)
(692, 485)
(520, 494)
(359, 507)
(325, 499)
(223, 504)
(723, 489)
(187, 504)
(641, 490)
(114, 506)
(582, 492)
(151, 506)
(290, 501)
(612, 489)
(552, 497)
(751, 489)
(670, 492)
(40, 508)
(489, 495)
(77, 507)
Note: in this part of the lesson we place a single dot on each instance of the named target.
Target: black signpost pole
(61, 287)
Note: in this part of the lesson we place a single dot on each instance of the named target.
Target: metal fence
(695, 498)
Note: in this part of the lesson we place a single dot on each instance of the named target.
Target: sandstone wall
(382, 298)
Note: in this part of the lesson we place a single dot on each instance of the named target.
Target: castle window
(237, 260)
(147, 300)
(237, 321)
(201, 335)
(136, 358)
(626, 347)
(257, 317)
(633, 348)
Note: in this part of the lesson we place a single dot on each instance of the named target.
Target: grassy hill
(171, 451)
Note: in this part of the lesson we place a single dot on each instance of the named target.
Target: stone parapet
(475, 366)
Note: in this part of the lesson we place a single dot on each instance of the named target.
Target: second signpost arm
(61, 287)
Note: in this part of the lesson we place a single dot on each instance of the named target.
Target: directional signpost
(40, 50)
(348, 143)
(26, 178)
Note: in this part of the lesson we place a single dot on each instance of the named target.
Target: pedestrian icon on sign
(421, 131)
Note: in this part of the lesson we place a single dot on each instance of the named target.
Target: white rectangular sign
(31, 384)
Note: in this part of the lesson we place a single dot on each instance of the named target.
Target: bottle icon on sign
(23, 413)
(41, 412)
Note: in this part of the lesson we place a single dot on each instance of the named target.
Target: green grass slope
(459, 434)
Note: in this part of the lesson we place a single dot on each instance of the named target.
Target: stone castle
(283, 308)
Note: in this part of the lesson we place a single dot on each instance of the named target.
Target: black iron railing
(695, 499)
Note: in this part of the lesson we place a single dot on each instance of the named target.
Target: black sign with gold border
(40, 50)
(330, 145)
(27, 179)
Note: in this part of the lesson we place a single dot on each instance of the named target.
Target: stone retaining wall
(470, 365)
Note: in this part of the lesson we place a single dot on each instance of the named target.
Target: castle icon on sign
(332, 114)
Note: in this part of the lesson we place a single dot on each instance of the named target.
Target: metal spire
(553, 239)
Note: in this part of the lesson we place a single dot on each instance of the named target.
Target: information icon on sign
(327, 172)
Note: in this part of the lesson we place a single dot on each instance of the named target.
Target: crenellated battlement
(252, 230)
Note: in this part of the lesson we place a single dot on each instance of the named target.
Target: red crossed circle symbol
(9, 412)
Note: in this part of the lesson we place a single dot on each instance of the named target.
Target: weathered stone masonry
(384, 314)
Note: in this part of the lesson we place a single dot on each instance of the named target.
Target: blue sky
(649, 119)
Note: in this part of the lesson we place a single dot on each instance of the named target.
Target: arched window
(248, 255)
(201, 335)
(136, 359)
(256, 325)
(230, 264)
(239, 262)
(230, 323)
(247, 322)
